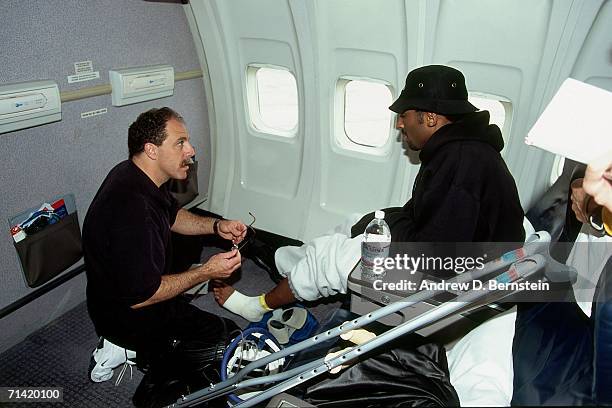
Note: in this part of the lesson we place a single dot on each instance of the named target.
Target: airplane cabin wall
(42, 40)
(520, 51)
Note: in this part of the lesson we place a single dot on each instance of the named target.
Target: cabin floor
(58, 354)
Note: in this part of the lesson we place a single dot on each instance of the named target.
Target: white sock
(248, 307)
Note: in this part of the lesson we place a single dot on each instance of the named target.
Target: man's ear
(151, 151)
(431, 119)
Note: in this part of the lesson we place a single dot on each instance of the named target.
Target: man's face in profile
(411, 125)
(174, 154)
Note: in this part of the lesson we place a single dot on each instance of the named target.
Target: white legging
(321, 267)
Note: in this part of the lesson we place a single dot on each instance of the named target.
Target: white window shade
(366, 113)
(273, 100)
(500, 110)
(494, 106)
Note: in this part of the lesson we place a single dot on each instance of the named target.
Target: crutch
(536, 244)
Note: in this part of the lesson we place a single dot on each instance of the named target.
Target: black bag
(47, 253)
(399, 377)
(184, 363)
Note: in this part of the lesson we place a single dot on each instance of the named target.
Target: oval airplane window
(273, 100)
(557, 169)
(366, 113)
(499, 109)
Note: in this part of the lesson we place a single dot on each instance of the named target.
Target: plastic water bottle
(375, 247)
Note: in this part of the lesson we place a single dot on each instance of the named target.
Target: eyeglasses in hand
(248, 238)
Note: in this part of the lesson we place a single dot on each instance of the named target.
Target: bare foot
(222, 291)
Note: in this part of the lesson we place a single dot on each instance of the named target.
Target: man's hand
(582, 203)
(221, 266)
(232, 230)
(579, 199)
(598, 180)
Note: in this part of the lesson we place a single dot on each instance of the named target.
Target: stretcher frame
(516, 265)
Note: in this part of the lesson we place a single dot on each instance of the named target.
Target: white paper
(576, 123)
(83, 77)
(83, 67)
(96, 112)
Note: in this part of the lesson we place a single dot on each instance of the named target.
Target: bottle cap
(380, 214)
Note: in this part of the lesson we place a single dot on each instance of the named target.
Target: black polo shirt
(127, 248)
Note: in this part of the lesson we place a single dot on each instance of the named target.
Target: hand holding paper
(598, 180)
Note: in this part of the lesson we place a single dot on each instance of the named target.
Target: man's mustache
(188, 162)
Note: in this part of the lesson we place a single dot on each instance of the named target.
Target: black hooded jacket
(463, 192)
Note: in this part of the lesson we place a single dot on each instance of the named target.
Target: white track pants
(321, 267)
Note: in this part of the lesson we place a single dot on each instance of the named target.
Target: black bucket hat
(434, 88)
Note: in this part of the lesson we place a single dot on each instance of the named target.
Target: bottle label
(373, 255)
(378, 238)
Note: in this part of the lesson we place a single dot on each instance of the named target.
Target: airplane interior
(287, 108)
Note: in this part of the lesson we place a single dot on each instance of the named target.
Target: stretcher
(528, 262)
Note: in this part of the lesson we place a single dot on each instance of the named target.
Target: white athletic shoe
(106, 357)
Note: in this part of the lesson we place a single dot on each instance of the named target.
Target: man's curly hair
(150, 127)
